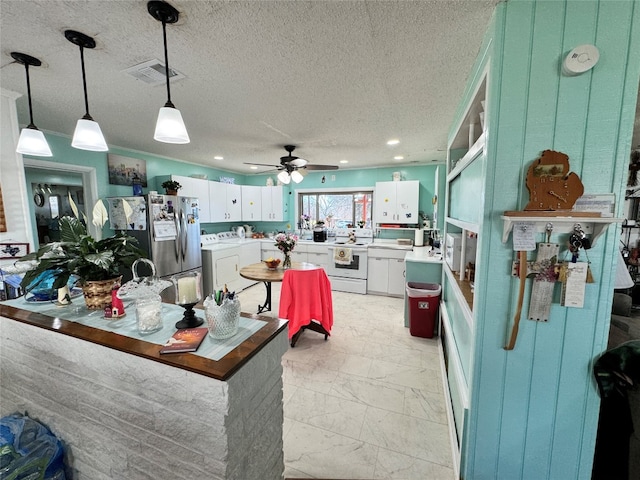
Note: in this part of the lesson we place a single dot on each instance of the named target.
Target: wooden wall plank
(532, 409)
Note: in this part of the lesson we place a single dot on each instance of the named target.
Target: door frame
(89, 185)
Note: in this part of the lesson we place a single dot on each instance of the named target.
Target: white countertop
(423, 255)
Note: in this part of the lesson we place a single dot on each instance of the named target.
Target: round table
(260, 272)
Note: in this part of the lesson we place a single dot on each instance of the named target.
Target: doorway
(54, 181)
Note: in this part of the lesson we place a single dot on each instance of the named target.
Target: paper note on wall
(573, 288)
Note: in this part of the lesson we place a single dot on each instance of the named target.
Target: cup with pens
(222, 310)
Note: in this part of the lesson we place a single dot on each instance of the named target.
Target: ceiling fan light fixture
(298, 162)
(170, 127)
(87, 135)
(31, 141)
(296, 176)
(284, 177)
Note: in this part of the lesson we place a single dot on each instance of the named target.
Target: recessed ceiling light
(344, 161)
(253, 167)
(393, 141)
(398, 157)
(218, 157)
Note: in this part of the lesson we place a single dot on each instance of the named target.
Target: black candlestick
(189, 320)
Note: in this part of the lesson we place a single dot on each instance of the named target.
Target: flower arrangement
(286, 242)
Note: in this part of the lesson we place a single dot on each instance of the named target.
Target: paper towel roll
(419, 238)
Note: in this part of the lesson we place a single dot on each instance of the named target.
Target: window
(336, 210)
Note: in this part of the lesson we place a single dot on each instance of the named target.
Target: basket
(97, 293)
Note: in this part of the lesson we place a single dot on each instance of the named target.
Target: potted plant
(98, 264)
(171, 187)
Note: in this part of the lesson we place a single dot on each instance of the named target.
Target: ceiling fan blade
(313, 166)
(262, 164)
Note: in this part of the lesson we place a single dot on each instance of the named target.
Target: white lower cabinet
(318, 255)
(249, 253)
(397, 277)
(386, 272)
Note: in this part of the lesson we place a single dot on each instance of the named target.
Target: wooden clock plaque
(551, 185)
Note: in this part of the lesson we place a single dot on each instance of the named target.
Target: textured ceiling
(336, 78)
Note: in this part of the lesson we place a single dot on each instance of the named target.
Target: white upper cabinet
(199, 188)
(226, 202)
(251, 203)
(272, 204)
(396, 202)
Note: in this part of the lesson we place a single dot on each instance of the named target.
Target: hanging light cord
(31, 124)
(84, 85)
(166, 64)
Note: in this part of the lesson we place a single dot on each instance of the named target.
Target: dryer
(220, 265)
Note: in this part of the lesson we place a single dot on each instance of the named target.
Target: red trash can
(424, 301)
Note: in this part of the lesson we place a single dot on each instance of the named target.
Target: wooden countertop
(220, 370)
(260, 272)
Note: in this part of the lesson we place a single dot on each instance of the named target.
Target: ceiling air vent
(152, 72)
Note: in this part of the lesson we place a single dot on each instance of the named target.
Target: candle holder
(188, 292)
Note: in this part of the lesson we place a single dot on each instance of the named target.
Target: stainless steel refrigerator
(167, 227)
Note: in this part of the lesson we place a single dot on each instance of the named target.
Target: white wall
(12, 178)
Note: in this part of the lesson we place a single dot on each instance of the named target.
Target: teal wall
(534, 410)
(161, 167)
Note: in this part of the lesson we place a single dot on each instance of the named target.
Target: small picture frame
(13, 250)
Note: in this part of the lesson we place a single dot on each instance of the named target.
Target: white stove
(347, 268)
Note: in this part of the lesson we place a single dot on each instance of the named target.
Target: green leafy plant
(171, 185)
(78, 253)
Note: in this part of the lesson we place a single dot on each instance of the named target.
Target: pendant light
(31, 141)
(87, 135)
(170, 127)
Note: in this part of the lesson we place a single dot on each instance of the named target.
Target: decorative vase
(287, 261)
(97, 293)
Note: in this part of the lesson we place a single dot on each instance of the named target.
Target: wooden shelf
(463, 292)
(590, 223)
(471, 227)
(473, 153)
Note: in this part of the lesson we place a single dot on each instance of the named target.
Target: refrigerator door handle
(183, 237)
(178, 240)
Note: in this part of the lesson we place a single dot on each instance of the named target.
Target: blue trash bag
(29, 451)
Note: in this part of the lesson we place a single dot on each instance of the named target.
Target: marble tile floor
(366, 404)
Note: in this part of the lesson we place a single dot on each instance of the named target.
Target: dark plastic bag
(29, 451)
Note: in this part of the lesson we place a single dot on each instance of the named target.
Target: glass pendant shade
(32, 142)
(170, 127)
(296, 176)
(284, 177)
(88, 136)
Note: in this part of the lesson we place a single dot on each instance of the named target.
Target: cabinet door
(204, 201)
(234, 203)
(297, 256)
(407, 201)
(218, 195)
(377, 275)
(396, 277)
(266, 204)
(320, 259)
(384, 202)
(251, 203)
(277, 203)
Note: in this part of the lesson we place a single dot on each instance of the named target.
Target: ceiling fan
(290, 163)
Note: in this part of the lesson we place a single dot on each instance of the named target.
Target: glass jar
(148, 314)
(223, 319)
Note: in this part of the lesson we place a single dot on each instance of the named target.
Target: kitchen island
(125, 411)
